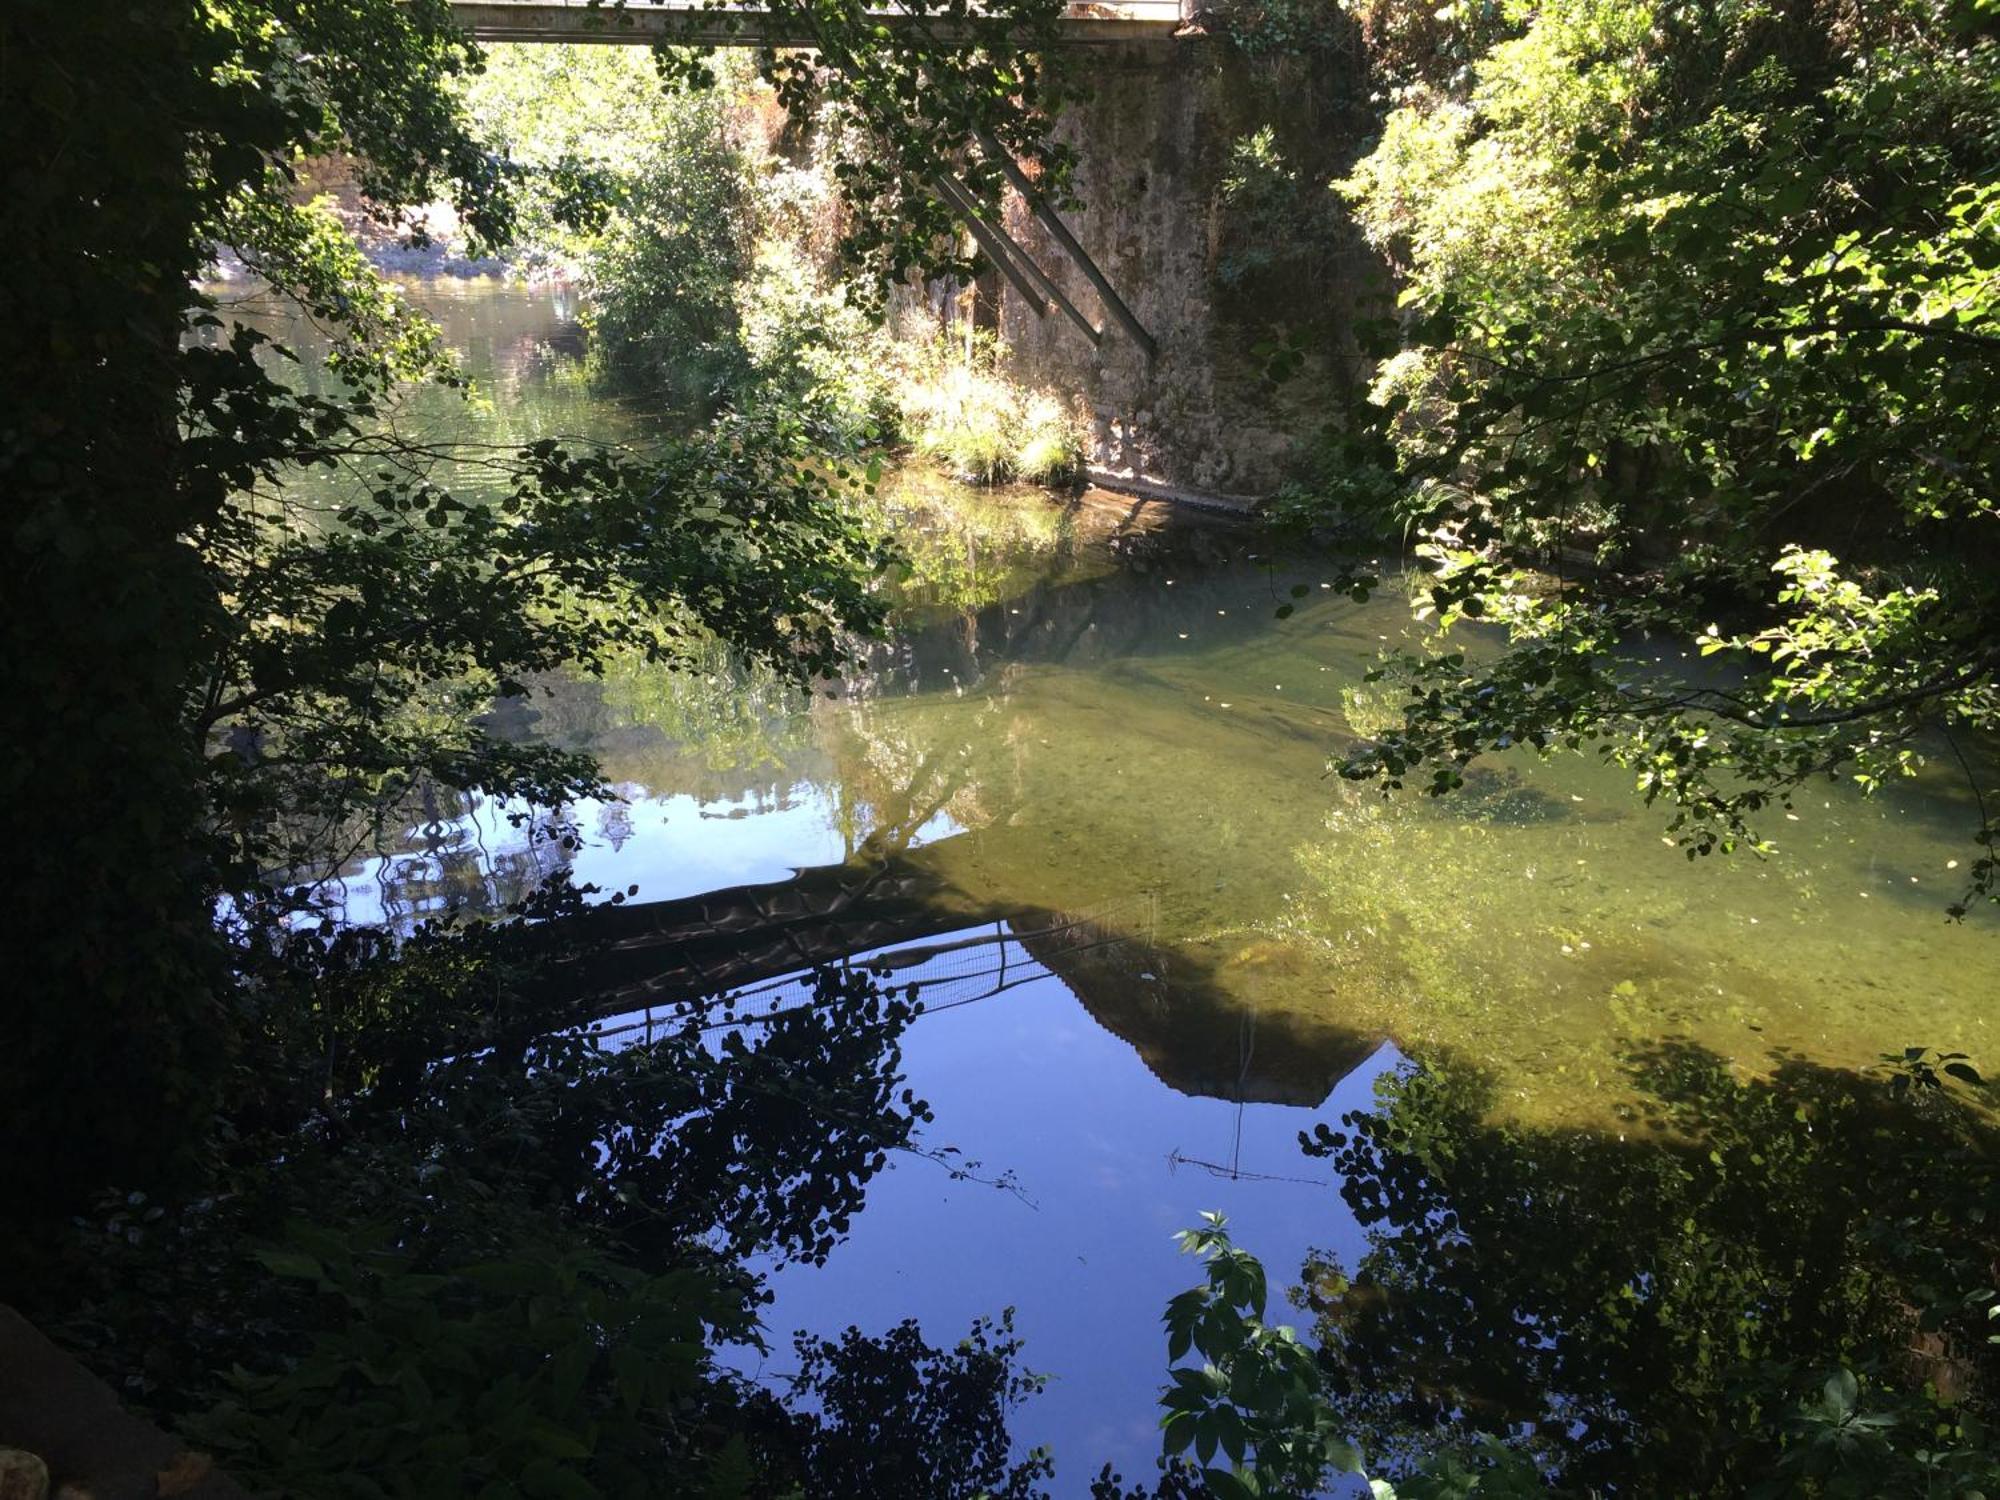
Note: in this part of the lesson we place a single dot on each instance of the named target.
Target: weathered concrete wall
(1154, 140)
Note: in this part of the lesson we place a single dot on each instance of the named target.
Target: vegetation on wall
(1278, 217)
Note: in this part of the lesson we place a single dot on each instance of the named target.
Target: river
(1156, 939)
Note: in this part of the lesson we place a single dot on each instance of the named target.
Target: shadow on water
(1645, 1309)
(1187, 1030)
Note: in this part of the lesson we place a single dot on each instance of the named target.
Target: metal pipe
(968, 209)
(1059, 231)
(995, 251)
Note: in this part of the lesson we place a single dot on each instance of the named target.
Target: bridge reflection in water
(760, 940)
(1106, 1133)
(947, 809)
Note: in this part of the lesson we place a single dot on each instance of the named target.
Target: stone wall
(1154, 138)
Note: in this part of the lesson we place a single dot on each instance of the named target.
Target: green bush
(1784, 1294)
(662, 311)
(810, 349)
(1700, 313)
(958, 408)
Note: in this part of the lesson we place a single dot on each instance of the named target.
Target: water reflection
(1089, 698)
(1643, 1310)
(1088, 768)
(1104, 1164)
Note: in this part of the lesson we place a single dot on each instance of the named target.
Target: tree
(951, 93)
(227, 682)
(395, 1168)
(1645, 1313)
(136, 139)
(459, 1238)
(1775, 1288)
(1702, 341)
(663, 321)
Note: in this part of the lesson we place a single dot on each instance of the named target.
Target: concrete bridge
(1147, 307)
(749, 25)
(735, 23)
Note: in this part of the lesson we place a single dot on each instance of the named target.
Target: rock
(22, 1475)
(1498, 794)
(185, 1475)
(95, 1448)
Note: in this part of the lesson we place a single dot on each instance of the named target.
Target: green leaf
(1230, 1432)
(1342, 1457)
(558, 1442)
(292, 1263)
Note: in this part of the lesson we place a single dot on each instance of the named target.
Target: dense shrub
(663, 276)
(958, 407)
(1701, 317)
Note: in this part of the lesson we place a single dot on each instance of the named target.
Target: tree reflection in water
(1644, 1310)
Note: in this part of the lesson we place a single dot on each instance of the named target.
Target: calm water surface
(1157, 940)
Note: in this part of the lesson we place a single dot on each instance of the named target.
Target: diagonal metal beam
(1060, 233)
(960, 199)
(996, 251)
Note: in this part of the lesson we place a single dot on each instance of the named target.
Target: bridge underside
(747, 25)
(642, 24)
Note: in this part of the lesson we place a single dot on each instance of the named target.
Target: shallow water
(1090, 768)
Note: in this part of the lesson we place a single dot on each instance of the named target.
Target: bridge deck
(747, 25)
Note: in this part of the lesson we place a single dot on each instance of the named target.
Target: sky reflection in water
(1027, 1082)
